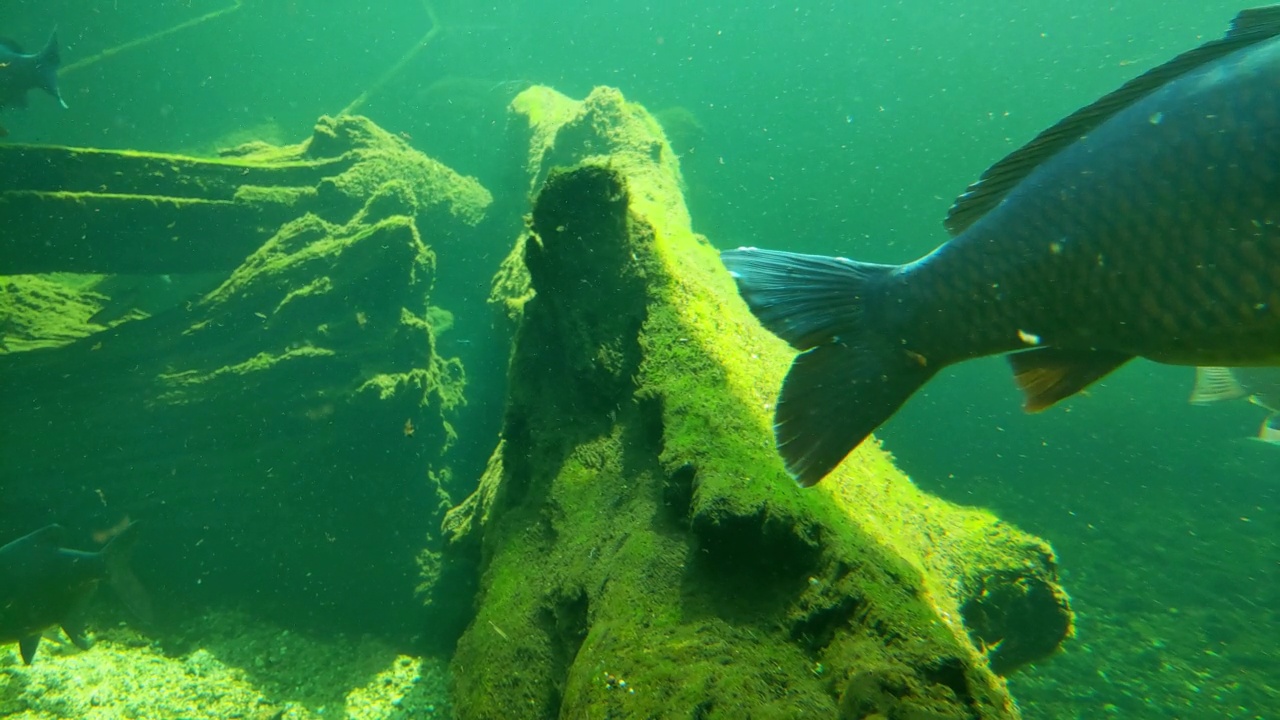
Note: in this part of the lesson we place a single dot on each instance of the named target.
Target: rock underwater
(638, 549)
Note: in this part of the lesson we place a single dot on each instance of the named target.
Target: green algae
(39, 311)
(187, 383)
(77, 198)
(641, 551)
(511, 288)
(84, 198)
(382, 158)
(286, 196)
(316, 269)
(223, 665)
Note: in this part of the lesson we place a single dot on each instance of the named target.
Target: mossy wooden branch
(121, 211)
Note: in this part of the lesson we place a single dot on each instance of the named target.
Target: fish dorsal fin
(1255, 20)
(1249, 27)
(1215, 384)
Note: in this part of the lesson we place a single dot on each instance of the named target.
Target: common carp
(1144, 225)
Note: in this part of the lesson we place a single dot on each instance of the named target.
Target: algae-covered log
(282, 437)
(110, 211)
(641, 553)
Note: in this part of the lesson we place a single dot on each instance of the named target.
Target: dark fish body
(21, 72)
(1145, 225)
(45, 585)
(1156, 235)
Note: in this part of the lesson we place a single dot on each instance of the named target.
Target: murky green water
(840, 128)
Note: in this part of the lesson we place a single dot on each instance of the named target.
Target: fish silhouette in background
(21, 71)
(44, 585)
(1144, 225)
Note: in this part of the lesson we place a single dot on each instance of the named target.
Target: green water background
(841, 128)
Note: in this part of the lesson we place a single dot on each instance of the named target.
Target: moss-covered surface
(223, 665)
(321, 293)
(511, 288)
(46, 311)
(119, 211)
(291, 423)
(642, 553)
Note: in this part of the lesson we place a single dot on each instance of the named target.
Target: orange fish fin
(1046, 375)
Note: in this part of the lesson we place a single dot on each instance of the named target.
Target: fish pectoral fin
(75, 631)
(73, 625)
(834, 396)
(1215, 384)
(28, 646)
(120, 575)
(1046, 375)
(78, 636)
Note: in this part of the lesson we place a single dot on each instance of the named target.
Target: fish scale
(1143, 225)
(1179, 301)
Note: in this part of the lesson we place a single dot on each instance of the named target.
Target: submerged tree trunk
(639, 550)
(282, 435)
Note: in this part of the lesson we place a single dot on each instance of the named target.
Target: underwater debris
(266, 417)
(77, 199)
(635, 522)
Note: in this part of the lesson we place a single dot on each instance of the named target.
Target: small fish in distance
(43, 585)
(1144, 225)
